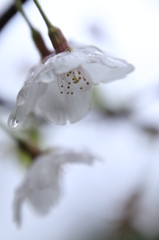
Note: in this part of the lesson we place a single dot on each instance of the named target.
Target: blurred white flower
(62, 86)
(42, 184)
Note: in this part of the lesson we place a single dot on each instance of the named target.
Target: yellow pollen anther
(73, 79)
(69, 82)
(87, 83)
(84, 78)
(79, 77)
(79, 72)
(81, 88)
(68, 87)
(67, 74)
(70, 72)
(61, 92)
(71, 92)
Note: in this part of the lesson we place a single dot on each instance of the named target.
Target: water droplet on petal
(13, 123)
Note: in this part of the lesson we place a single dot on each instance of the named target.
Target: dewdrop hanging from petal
(62, 85)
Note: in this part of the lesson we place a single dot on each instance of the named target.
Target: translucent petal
(42, 185)
(42, 73)
(68, 156)
(69, 103)
(108, 71)
(17, 208)
(26, 101)
(66, 61)
(43, 200)
(90, 50)
(92, 59)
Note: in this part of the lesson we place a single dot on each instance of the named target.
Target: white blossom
(62, 86)
(42, 186)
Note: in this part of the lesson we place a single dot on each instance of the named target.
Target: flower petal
(108, 70)
(26, 101)
(17, 207)
(62, 105)
(68, 156)
(66, 61)
(42, 186)
(42, 73)
(68, 104)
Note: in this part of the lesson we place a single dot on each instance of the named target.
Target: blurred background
(118, 197)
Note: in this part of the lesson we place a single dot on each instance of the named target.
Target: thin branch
(8, 14)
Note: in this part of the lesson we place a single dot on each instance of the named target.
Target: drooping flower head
(61, 87)
(42, 186)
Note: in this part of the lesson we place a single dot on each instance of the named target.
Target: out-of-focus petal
(68, 156)
(42, 186)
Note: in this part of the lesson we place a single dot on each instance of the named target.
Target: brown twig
(8, 14)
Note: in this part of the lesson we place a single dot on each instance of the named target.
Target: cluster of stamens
(71, 77)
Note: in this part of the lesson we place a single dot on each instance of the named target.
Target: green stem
(19, 7)
(49, 25)
(36, 36)
(58, 40)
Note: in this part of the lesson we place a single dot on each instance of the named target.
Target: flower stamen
(75, 79)
(75, 75)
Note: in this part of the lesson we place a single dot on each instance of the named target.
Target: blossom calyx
(58, 40)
